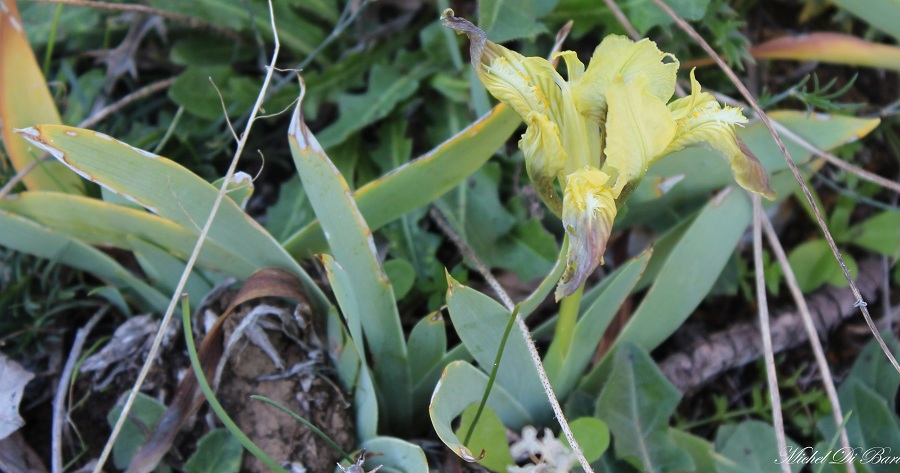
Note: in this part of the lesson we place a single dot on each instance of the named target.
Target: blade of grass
(211, 396)
(305, 422)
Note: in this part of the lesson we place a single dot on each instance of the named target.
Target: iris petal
(638, 127)
(701, 119)
(589, 210)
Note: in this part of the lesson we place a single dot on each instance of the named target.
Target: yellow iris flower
(598, 132)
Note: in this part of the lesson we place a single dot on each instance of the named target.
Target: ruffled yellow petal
(526, 84)
(619, 57)
(589, 210)
(545, 158)
(701, 119)
(638, 128)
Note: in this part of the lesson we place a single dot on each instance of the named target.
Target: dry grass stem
(124, 101)
(765, 331)
(811, 332)
(176, 296)
(59, 400)
(862, 173)
(622, 19)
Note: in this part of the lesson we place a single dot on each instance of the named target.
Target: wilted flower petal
(589, 209)
(545, 158)
(701, 119)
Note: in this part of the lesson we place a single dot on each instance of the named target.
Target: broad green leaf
(702, 252)
(814, 265)
(168, 190)
(342, 350)
(428, 340)
(488, 436)
(163, 270)
(700, 450)
(592, 436)
(145, 414)
(529, 250)
(480, 322)
(217, 452)
(461, 385)
(402, 276)
(636, 404)
(874, 370)
(750, 447)
(882, 14)
(25, 101)
(564, 369)
(395, 455)
(387, 87)
(74, 26)
(878, 233)
(644, 14)
(867, 397)
(240, 189)
(504, 20)
(422, 180)
(833, 48)
(428, 343)
(369, 297)
(195, 90)
(527, 306)
(873, 426)
(100, 223)
(291, 212)
(204, 49)
(27, 236)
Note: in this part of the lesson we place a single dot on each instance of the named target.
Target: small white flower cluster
(547, 454)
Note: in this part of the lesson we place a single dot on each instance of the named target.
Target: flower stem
(565, 324)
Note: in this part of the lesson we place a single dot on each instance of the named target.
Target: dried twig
(59, 408)
(124, 101)
(740, 344)
(176, 296)
(622, 19)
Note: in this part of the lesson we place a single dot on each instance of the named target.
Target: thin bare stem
(176, 295)
(124, 101)
(766, 332)
(59, 400)
(188, 20)
(811, 332)
(793, 167)
(862, 173)
(8, 187)
(622, 19)
(529, 342)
